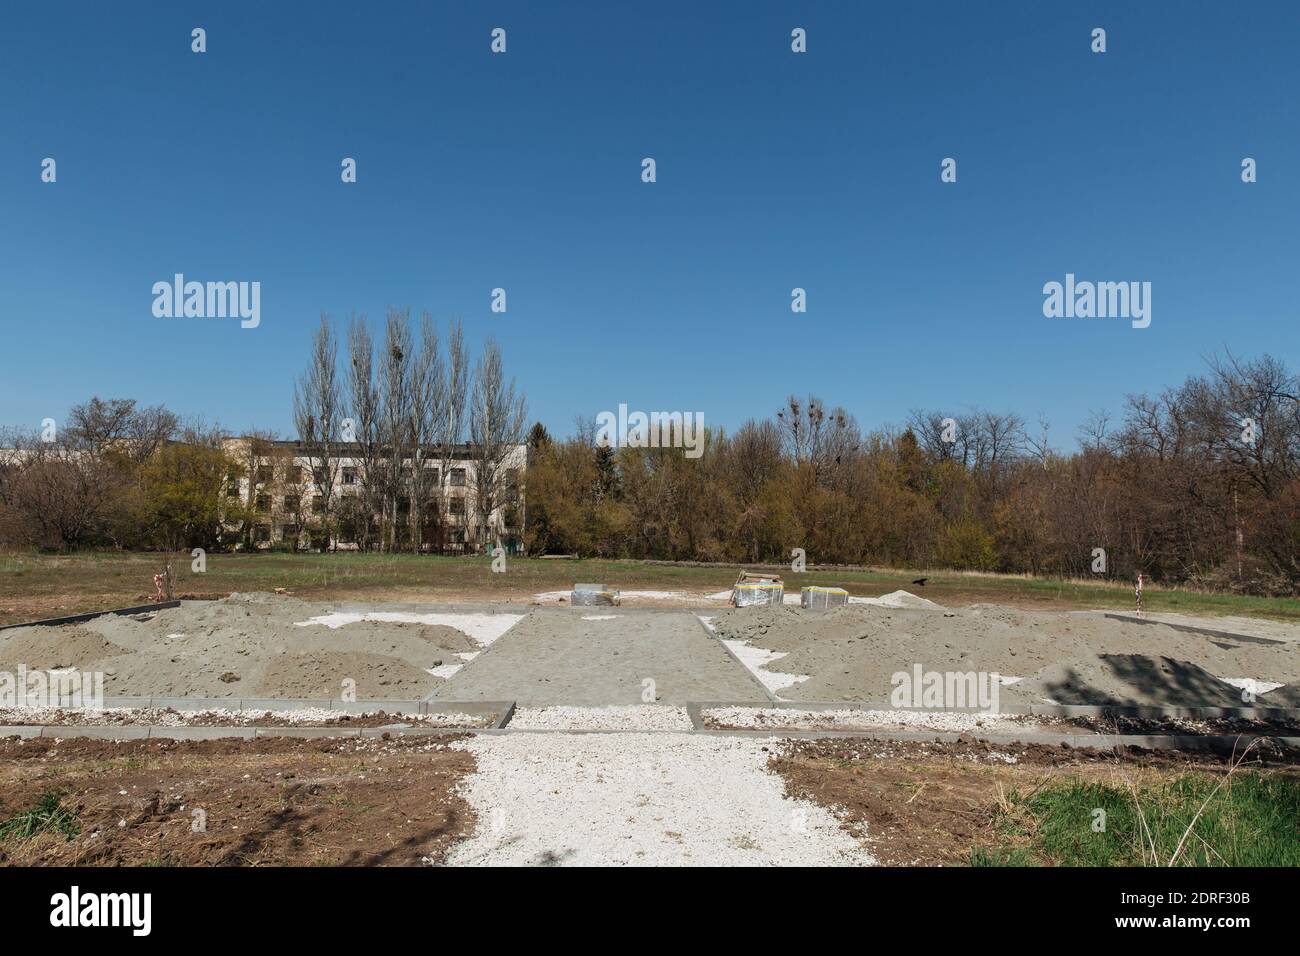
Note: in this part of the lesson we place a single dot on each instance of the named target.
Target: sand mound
(47, 648)
(321, 675)
(245, 645)
(898, 599)
(1288, 695)
(852, 652)
(1131, 679)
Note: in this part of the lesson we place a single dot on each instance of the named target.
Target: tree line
(1199, 485)
(401, 409)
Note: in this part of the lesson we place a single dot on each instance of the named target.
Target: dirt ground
(267, 802)
(852, 652)
(930, 804)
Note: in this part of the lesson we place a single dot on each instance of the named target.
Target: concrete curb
(1064, 711)
(1192, 629)
(1224, 744)
(91, 615)
(494, 709)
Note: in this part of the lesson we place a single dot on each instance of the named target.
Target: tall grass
(1195, 819)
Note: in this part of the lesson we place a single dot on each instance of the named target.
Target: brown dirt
(269, 802)
(930, 804)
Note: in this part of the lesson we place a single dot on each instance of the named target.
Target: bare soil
(266, 802)
(930, 804)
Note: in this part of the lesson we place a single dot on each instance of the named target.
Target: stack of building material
(760, 594)
(757, 589)
(822, 599)
(593, 595)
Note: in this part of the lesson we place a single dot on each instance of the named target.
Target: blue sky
(775, 170)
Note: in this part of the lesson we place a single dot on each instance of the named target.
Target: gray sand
(555, 657)
(246, 645)
(850, 654)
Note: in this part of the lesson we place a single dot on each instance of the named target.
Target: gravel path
(758, 718)
(632, 717)
(640, 800)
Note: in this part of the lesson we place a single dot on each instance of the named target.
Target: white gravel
(627, 717)
(163, 717)
(758, 659)
(482, 628)
(640, 800)
(777, 718)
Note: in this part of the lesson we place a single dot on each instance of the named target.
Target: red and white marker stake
(1137, 591)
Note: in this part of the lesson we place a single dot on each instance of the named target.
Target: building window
(318, 504)
(295, 474)
(433, 474)
(290, 532)
(263, 474)
(349, 476)
(291, 502)
(263, 503)
(262, 533)
(232, 487)
(457, 477)
(456, 506)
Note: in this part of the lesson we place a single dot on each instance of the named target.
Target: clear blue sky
(775, 170)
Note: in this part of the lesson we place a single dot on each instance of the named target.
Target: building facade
(430, 503)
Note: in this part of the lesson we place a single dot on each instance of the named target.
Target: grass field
(35, 585)
(1195, 819)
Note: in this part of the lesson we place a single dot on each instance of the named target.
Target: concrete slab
(571, 656)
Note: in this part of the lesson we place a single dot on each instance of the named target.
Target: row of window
(455, 506)
(349, 476)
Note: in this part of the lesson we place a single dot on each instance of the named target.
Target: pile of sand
(246, 645)
(76, 646)
(850, 653)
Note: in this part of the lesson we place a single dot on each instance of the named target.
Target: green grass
(38, 585)
(1252, 819)
(48, 816)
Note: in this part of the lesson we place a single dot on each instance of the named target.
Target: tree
(496, 427)
(318, 413)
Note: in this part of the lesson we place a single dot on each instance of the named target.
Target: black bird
(921, 581)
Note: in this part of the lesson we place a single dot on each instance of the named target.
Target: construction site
(669, 728)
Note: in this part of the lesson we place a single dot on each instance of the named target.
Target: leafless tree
(318, 411)
(496, 426)
(366, 423)
(449, 429)
(428, 400)
(396, 403)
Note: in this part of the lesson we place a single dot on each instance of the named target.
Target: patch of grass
(48, 816)
(1196, 819)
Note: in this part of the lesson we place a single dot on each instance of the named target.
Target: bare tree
(318, 412)
(395, 399)
(496, 427)
(449, 429)
(366, 423)
(428, 409)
